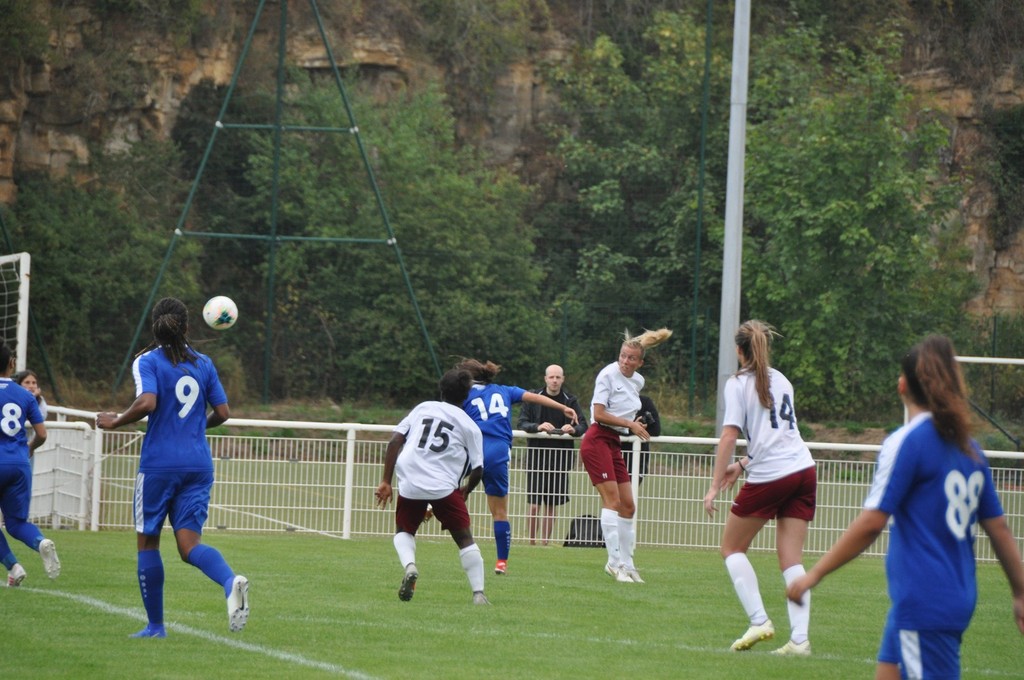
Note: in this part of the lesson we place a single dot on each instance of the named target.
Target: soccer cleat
(500, 567)
(480, 598)
(15, 576)
(153, 630)
(622, 575)
(238, 604)
(632, 573)
(48, 551)
(794, 649)
(405, 591)
(611, 570)
(754, 634)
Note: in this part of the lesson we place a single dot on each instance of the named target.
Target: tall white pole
(733, 249)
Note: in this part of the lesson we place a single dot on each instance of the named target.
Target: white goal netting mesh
(14, 284)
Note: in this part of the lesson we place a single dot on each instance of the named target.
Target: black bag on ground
(585, 532)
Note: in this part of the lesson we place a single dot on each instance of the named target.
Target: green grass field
(324, 607)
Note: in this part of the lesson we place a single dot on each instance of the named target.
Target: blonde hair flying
(647, 339)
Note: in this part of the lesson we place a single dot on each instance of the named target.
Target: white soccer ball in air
(220, 313)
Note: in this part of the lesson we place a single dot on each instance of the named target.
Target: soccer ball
(220, 313)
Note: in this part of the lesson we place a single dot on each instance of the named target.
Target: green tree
(345, 323)
(850, 251)
(96, 249)
(631, 160)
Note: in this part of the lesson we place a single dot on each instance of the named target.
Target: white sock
(405, 545)
(473, 565)
(744, 580)
(627, 538)
(610, 529)
(799, 614)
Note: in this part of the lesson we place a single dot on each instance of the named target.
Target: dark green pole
(275, 197)
(705, 97)
(218, 125)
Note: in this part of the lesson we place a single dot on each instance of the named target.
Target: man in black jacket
(549, 459)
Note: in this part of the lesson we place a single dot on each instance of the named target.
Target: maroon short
(792, 496)
(450, 511)
(601, 451)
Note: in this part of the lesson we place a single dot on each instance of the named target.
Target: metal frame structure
(272, 239)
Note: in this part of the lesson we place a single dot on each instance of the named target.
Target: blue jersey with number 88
(176, 435)
(935, 494)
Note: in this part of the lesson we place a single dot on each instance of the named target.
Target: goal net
(14, 279)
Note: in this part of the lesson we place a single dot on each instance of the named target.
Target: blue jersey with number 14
(490, 407)
(176, 435)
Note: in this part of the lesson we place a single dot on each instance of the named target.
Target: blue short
(16, 490)
(496, 458)
(184, 497)
(921, 654)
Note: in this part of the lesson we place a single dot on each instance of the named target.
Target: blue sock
(26, 532)
(211, 562)
(151, 585)
(8, 559)
(503, 538)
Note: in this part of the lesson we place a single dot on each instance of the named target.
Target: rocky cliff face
(52, 112)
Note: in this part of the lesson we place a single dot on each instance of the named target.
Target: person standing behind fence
(173, 385)
(433, 449)
(548, 460)
(614, 408)
(490, 406)
(19, 407)
(30, 381)
(933, 481)
(649, 416)
(781, 484)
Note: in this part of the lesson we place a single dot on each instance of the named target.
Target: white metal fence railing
(271, 479)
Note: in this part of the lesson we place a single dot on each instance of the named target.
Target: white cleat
(794, 649)
(611, 570)
(480, 598)
(754, 634)
(408, 587)
(48, 551)
(632, 573)
(15, 576)
(238, 604)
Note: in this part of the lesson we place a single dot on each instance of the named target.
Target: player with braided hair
(173, 385)
(933, 481)
(490, 406)
(781, 484)
(614, 408)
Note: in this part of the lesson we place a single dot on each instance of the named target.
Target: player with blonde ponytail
(781, 484)
(614, 407)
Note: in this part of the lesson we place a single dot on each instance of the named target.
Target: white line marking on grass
(210, 637)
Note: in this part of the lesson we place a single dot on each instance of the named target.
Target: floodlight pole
(733, 247)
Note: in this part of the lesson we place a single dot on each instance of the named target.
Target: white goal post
(15, 272)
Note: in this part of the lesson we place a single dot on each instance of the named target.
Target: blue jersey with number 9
(176, 435)
(16, 406)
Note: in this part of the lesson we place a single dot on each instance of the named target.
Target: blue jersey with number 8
(176, 435)
(16, 406)
(935, 494)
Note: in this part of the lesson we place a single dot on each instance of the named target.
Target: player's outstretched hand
(795, 590)
(383, 494)
(709, 502)
(105, 420)
(732, 473)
